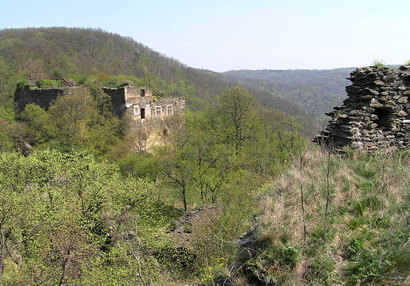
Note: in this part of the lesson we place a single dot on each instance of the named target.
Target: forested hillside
(236, 195)
(113, 59)
(316, 91)
(79, 204)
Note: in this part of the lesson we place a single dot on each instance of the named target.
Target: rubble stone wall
(376, 114)
(41, 97)
(148, 111)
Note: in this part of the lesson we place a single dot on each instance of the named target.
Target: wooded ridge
(92, 51)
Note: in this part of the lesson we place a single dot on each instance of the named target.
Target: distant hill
(94, 52)
(316, 91)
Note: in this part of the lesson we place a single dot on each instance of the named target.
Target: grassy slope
(367, 225)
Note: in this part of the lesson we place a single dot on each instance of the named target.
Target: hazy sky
(239, 34)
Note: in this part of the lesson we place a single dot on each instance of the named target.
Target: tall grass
(377, 63)
(368, 220)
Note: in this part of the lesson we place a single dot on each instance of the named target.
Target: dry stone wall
(376, 114)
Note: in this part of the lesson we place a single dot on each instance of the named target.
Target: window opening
(381, 117)
(158, 111)
(169, 110)
(142, 111)
(142, 91)
(136, 110)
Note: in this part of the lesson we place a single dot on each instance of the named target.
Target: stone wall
(142, 105)
(376, 114)
(117, 99)
(41, 97)
(147, 111)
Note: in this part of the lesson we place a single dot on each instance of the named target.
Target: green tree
(80, 117)
(60, 219)
(237, 112)
(206, 156)
(173, 155)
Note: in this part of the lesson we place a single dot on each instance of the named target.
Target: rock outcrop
(376, 114)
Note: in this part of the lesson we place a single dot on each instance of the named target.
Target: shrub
(177, 259)
(22, 84)
(289, 255)
(216, 274)
(272, 266)
(57, 72)
(43, 83)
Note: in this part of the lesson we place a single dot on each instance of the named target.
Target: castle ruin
(147, 111)
(376, 114)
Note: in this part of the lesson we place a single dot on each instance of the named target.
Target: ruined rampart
(376, 114)
(148, 111)
(118, 100)
(41, 97)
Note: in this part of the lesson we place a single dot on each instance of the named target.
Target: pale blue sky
(239, 34)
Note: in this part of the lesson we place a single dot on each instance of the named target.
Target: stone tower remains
(376, 114)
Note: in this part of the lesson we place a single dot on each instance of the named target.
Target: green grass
(367, 223)
(379, 63)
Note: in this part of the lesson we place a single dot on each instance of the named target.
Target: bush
(7, 113)
(179, 260)
(22, 84)
(289, 255)
(57, 72)
(140, 165)
(43, 83)
(217, 274)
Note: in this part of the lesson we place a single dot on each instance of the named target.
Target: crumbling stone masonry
(376, 114)
(148, 111)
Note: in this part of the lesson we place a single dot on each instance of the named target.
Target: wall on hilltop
(147, 111)
(376, 114)
(41, 97)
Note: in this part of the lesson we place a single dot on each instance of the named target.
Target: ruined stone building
(147, 111)
(376, 114)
